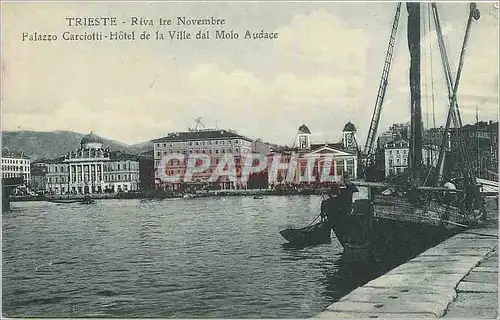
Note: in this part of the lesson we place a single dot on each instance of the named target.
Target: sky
(323, 70)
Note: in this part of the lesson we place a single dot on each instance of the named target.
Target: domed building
(304, 138)
(304, 129)
(92, 169)
(349, 127)
(349, 137)
(340, 157)
(91, 141)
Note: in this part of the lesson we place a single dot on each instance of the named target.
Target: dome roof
(304, 129)
(349, 127)
(90, 138)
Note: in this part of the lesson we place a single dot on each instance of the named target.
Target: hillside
(39, 145)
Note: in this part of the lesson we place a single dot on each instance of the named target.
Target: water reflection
(193, 258)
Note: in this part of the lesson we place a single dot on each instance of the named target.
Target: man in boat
(450, 197)
(347, 194)
(339, 202)
(330, 206)
(474, 200)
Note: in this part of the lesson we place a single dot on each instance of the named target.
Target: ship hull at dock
(394, 226)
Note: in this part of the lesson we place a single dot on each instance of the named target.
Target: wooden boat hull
(318, 233)
(394, 226)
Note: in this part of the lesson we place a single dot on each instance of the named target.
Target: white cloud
(320, 73)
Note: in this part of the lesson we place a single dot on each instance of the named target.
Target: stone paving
(456, 279)
(477, 293)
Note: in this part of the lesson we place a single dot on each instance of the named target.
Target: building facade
(38, 173)
(92, 169)
(396, 156)
(214, 143)
(316, 163)
(16, 165)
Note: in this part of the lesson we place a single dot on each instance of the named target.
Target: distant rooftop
(304, 129)
(6, 153)
(205, 134)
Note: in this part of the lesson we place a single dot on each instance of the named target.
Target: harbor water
(184, 258)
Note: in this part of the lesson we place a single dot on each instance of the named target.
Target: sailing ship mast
(415, 152)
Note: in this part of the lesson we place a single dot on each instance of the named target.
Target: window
(190, 143)
(158, 153)
(164, 144)
(216, 151)
(196, 143)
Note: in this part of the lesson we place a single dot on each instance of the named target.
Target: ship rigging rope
(430, 152)
(316, 218)
(432, 73)
(453, 113)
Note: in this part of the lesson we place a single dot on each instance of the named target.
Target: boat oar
(450, 222)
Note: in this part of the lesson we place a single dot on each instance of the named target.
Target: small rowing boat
(318, 233)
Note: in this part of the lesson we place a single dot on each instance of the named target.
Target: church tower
(303, 138)
(349, 137)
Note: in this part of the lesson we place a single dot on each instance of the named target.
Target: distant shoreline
(167, 195)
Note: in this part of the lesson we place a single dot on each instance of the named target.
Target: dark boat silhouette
(318, 233)
(414, 212)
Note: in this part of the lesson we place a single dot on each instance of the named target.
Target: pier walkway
(456, 279)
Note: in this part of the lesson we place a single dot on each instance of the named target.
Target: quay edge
(437, 283)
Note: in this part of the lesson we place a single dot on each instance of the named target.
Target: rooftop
(91, 138)
(304, 129)
(349, 127)
(201, 135)
(6, 153)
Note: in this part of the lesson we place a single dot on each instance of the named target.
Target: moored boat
(416, 212)
(318, 233)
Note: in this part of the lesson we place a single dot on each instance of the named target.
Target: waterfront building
(480, 141)
(16, 165)
(92, 169)
(147, 171)
(335, 159)
(396, 156)
(38, 173)
(215, 143)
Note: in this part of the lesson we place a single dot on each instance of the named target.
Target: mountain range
(47, 145)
